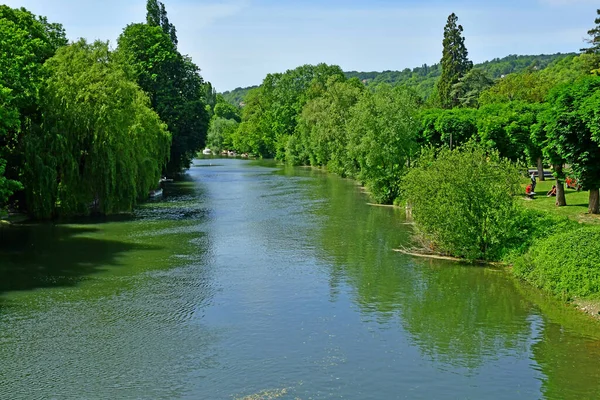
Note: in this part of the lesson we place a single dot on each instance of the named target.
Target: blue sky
(237, 42)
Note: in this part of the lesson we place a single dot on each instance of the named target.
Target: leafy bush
(532, 226)
(462, 201)
(565, 263)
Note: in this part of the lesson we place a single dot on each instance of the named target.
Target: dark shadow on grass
(47, 255)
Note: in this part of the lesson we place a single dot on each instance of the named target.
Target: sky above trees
(237, 42)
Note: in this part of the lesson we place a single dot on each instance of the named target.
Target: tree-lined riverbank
(85, 129)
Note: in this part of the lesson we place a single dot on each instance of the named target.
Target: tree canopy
(172, 81)
(84, 129)
(594, 40)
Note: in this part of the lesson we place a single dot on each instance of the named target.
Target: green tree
(469, 87)
(220, 133)
(322, 135)
(462, 201)
(447, 127)
(174, 85)
(550, 150)
(9, 121)
(572, 128)
(226, 110)
(101, 147)
(456, 126)
(26, 42)
(507, 128)
(156, 15)
(270, 115)
(254, 134)
(455, 63)
(382, 139)
(594, 40)
(530, 86)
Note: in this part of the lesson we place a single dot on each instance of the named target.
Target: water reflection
(462, 318)
(108, 308)
(47, 255)
(456, 314)
(245, 279)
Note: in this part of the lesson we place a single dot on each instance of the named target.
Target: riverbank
(586, 306)
(560, 258)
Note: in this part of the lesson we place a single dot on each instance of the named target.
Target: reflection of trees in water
(567, 349)
(569, 362)
(44, 256)
(464, 315)
(48, 255)
(118, 320)
(456, 314)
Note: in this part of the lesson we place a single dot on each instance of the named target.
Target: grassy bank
(576, 208)
(470, 203)
(565, 260)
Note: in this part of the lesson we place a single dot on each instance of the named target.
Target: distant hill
(423, 78)
(237, 95)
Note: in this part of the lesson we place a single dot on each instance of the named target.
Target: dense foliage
(26, 42)
(236, 96)
(382, 139)
(573, 126)
(455, 63)
(269, 116)
(172, 81)
(565, 264)
(462, 201)
(100, 143)
(81, 127)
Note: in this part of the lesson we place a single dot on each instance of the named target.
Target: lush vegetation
(565, 263)
(463, 202)
(84, 129)
(455, 154)
(423, 79)
(236, 96)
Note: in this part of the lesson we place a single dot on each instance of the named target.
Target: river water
(252, 281)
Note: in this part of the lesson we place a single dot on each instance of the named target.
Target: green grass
(576, 208)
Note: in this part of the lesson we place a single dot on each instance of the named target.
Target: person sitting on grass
(529, 193)
(552, 192)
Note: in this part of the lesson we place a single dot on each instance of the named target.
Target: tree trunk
(593, 204)
(560, 188)
(540, 168)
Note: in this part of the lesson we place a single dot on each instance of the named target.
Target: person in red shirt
(529, 192)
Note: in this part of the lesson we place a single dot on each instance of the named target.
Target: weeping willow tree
(100, 148)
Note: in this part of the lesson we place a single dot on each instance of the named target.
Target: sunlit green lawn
(576, 208)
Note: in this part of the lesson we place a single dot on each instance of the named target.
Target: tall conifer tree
(455, 62)
(153, 13)
(594, 41)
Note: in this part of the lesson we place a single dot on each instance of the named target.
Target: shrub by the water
(462, 201)
(566, 264)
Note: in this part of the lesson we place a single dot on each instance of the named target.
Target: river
(252, 281)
